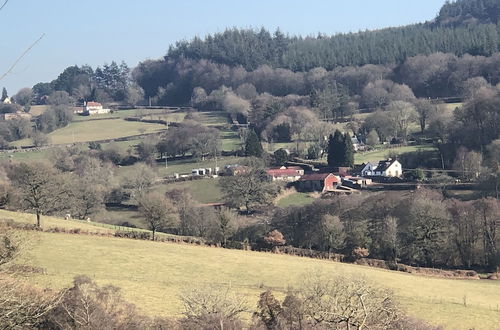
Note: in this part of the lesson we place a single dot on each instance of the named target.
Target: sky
(95, 32)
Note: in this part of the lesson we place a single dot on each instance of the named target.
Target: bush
(143, 235)
(280, 156)
(313, 152)
(360, 252)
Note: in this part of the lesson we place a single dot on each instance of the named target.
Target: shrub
(360, 252)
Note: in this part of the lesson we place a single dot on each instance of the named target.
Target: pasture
(295, 199)
(380, 154)
(95, 130)
(203, 191)
(153, 274)
(186, 165)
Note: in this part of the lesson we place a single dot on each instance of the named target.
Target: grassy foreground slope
(151, 274)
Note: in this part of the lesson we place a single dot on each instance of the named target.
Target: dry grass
(152, 275)
(86, 131)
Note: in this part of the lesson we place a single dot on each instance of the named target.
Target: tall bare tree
(43, 189)
(159, 212)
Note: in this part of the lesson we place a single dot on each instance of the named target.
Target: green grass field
(39, 155)
(380, 154)
(186, 165)
(295, 199)
(115, 114)
(448, 108)
(26, 156)
(152, 274)
(203, 191)
(86, 131)
(211, 118)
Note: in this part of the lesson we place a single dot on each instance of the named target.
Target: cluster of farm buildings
(339, 179)
(326, 180)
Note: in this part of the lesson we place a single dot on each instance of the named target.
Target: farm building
(319, 182)
(93, 108)
(7, 100)
(357, 144)
(15, 115)
(205, 171)
(386, 168)
(235, 169)
(290, 174)
(356, 182)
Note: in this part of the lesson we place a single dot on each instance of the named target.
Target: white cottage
(386, 168)
(94, 108)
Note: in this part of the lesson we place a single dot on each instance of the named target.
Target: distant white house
(357, 144)
(386, 168)
(94, 108)
(7, 101)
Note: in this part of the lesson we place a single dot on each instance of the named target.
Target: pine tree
(331, 150)
(4, 94)
(336, 149)
(348, 159)
(253, 148)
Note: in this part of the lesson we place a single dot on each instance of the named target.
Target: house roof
(384, 165)
(94, 104)
(296, 168)
(355, 140)
(282, 172)
(317, 177)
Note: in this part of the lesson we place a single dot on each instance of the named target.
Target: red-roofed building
(290, 174)
(319, 182)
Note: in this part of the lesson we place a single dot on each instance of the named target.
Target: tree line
(109, 83)
(437, 74)
(418, 228)
(253, 48)
(461, 27)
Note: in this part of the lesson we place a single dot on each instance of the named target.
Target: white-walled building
(387, 168)
(94, 108)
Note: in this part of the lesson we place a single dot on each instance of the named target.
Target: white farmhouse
(357, 144)
(94, 108)
(386, 168)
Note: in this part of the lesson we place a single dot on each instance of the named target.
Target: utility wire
(22, 55)
(4, 4)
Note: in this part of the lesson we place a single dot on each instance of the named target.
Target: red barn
(319, 182)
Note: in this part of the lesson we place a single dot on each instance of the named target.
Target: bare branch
(22, 55)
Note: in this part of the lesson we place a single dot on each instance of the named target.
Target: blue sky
(98, 31)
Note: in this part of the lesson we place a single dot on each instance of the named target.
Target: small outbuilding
(321, 182)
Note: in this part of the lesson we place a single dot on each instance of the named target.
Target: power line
(4, 4)
(22, 55)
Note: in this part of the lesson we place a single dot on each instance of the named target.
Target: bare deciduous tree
(23, 306)
(159, 212)
(43, 189)
(348, 302)
(212, 308)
